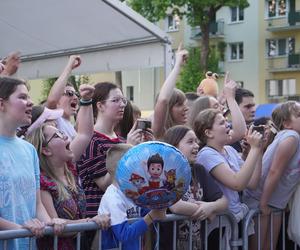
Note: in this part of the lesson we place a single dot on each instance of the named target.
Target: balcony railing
(292, 22)
(216, 30)
(286, 63)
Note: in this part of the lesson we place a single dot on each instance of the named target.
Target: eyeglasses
(71, 93)
(118, 100)
(57, 134)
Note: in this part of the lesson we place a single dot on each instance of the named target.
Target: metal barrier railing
(234, 242)
(256, 214)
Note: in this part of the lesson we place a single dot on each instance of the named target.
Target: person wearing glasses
(20, 200)
(61, 193)
(108, 107)
(63, 95)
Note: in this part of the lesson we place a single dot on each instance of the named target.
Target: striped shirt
(91, 166)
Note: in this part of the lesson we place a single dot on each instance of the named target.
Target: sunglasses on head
(71, 93)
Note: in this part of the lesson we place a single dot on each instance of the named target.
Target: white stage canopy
(106, 33)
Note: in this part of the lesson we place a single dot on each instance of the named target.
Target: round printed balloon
(153, 174)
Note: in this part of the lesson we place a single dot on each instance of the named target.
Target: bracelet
(85, 102)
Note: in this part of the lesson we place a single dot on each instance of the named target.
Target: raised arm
(161, 106)
(11, 64)
(239, 127)
(285, 151)
(238, 181)
(58, 88)
(85, 122)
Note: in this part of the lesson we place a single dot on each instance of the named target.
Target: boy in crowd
(121, 209)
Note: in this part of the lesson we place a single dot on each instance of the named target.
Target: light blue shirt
(209, 158)
(19, 181)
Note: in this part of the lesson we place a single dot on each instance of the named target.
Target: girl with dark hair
(202, 189)
(20, 203)
(108, 109)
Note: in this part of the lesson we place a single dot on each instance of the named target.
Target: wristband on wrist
(85, 102)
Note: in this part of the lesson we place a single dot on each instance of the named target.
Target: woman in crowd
(63, 95)
(237, 120)
(280, 172)
(202, 191)
(231, 173)
(21, 205)
(171, 105)
(61, 193)
(108, 108)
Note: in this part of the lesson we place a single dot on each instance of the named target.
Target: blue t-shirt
(210, 158)
(19, 181)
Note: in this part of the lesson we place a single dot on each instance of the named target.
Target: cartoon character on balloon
(151, 179)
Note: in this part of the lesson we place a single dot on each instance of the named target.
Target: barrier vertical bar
(174, 234)
(190, 235)
(271, 231)
(259, 231)
(55, 242)
(205, 235)
(220, 232)
(99, 239)
(283, 230)
(157, 235)
(78, 240)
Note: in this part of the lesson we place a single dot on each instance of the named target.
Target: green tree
(192, 72)
(76, 81)
(198, 13)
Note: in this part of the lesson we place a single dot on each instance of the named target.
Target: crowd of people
(55, 172)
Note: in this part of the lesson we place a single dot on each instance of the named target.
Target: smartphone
(260, 129)
(143, 124)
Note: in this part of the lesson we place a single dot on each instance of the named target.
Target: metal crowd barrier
(234, 243)
(256, 214)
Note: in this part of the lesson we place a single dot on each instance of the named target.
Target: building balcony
(292, 22)
(287, 63)
(216, 30)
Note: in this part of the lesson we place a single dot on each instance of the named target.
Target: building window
(285, 87)
(172, 23)
(129, 93)
(280, 47)
(236, 51)
(237, 14)
(276, 8)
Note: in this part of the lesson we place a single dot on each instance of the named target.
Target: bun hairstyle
(209, 85)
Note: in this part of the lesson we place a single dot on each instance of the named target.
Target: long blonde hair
(38, 140)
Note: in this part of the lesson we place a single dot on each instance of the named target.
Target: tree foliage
(198, 13)
(192, 73)
(76, 81)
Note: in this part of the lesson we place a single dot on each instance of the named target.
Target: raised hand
(181, 56)
(10, 64)
(74, 61)
(230, 86)
(86, 91)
